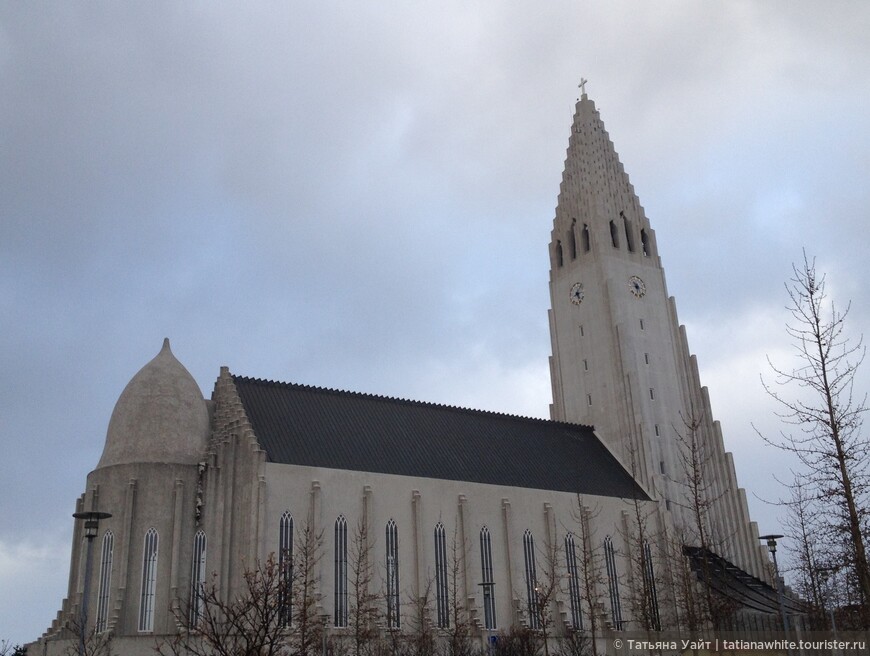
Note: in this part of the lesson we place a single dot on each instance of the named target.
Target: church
(586, 523)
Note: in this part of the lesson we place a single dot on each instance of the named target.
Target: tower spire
(620, 359)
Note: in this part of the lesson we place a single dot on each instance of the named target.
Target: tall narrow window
(558, 252)
(572, 240)
(531, 580)
(285, 569)
(488, 582)
(393, 619)
(573, 582)
(102, 622)
(340, 572)
(584, 237)
(614, 235)
(197, 578)
(613, 583)
(149, 581)
(629, 235)
(644, 242)
(650, 585)
(441, 596)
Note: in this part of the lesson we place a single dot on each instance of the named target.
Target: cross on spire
(582, 86)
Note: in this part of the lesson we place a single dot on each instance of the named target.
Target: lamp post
(324, 622)
(780, 589)
(488, 618)
(827, 574)
(92, 522)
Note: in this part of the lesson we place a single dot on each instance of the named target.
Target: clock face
(577, 294)
(637, 286)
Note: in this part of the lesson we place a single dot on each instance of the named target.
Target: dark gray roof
(302, 425)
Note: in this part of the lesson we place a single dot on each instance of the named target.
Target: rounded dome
(161, 416)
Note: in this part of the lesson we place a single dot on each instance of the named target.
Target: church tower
(620, 359)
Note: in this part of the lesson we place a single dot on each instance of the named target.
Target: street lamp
(827, 575)
(488, 614)
(771, 545)
(92, 521)
(324, 622)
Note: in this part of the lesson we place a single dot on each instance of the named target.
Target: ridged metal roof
(302, 425)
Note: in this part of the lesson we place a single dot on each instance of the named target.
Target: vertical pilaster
(174, 564)
(124, 601)
(416, 511)
(462, 512)
(507, 527)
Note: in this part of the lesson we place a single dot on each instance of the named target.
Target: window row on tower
(579, 239)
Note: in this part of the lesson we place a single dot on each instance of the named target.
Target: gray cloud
(360, 196)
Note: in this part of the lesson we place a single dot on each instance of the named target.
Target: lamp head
(92, 521)
(771, 541)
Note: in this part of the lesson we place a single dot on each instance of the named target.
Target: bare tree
(363, 611)
(827, 416)
(274, 612)
(9, 649)
(698, 536)
(691, 603)
(247, 624)
(420, 639)
(643, 594)
(87, 641)
(591, 570)
(308, 628)
(459, 625)
(517, 641)
(546, 589)
(808, 561)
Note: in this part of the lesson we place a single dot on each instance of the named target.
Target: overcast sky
(359, 195)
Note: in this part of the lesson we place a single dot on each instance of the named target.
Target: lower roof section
(317, 427)
(746, 592)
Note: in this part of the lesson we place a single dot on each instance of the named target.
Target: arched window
(650, 585)
(531, 580)
(340, 572)
(558, 253)
(613, 583)
(393, 618)
(488, 582)
(614, 235)
(285, 569)
(572, 240)
(584, 238)
(149, 580)
(629, 234)
(102, 622)
(573, 581)
(197, 578)
(441, 595)
(644, 242)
